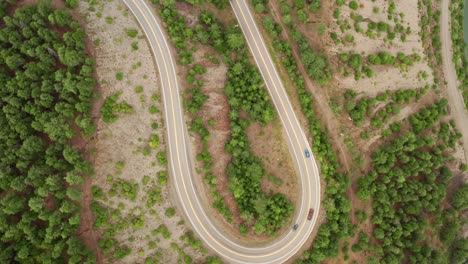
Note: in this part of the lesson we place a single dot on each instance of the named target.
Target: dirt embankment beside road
(453, 94)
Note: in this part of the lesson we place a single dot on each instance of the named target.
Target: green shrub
(109, 20)
(132, 33)
(161, 156)
(119, 76)
(71, 3)
(353, 5)
(170, 212)
(154, 141)
(162, 177)
(139, 89)
(153, 109)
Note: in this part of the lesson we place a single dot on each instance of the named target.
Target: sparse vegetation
(170, 212)
(109, 20)
(161, 156)
(111, 108)
(132, 33)
(458, 45)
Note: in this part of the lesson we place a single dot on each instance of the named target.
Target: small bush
(119, 76)
(353, 5)
(71, 3)
(110, 108)
(161, 156)
(170, 212)
(119, 165)
(109, 20)
(162, 177)
(132, 33)
(139, 89)
(153, 109)
(154, 141)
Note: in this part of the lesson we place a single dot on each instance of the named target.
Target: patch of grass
(153, 109)
(119, 76)
(119, 165)
(132, 33)
(110, 108)
(143, 99)
(134, 46)
(139, 89)
(321, 28)
(274, 179)
(146, 152)
(109, 20)
(154, 141)
(162, 177)
(161, 156)
(146, 179)
(170, 212)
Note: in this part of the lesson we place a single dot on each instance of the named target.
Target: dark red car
(311, 213)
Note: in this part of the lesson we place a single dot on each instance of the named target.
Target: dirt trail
(86, 231)
(454, 96)
(320, 94)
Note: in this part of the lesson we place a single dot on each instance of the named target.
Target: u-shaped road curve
(181, 169)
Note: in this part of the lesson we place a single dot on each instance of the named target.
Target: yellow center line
(179, 161)
(179, 169)
(281, 101)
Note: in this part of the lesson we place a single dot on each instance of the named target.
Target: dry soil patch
(123, 140)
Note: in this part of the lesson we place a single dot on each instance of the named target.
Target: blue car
(307, 153)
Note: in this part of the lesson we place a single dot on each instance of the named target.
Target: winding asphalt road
(455, 97)
(181, 166)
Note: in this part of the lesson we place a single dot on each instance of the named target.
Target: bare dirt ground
(122, 141)
(215, 108)
(268, 143)
(385, 77)
(452, 93)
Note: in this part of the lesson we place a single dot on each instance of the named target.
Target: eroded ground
(122, 153)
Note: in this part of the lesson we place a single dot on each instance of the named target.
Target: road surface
(181, 166)
(455, 97)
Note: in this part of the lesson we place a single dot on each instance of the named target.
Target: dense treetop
(45, 91)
